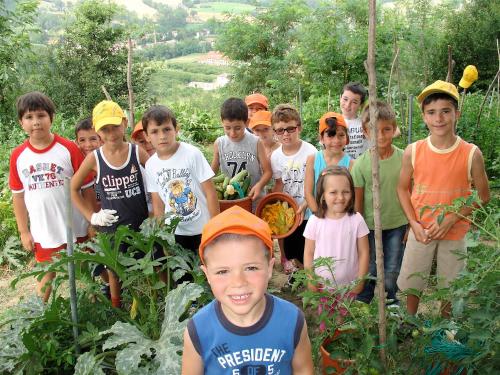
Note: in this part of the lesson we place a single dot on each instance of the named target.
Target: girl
(333, 136)
(119, 181)
(337, 231)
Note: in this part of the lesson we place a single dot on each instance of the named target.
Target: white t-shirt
(292, 169)
(337, 238)
(178, 180)
(41, 174)
(357, 142)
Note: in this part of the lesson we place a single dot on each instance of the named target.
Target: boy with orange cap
(260, 125)
(244, 330)
(139, 138)
(255, 103)
(435, 171)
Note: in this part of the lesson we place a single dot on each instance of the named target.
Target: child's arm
(309, 247)
(215, 160)
(158, 205)
(278, 185)
(363, 248)
(192, 364)
(309, 184)
(359, 199)
(403, 189)
(267, 173)
(21, 214)
(351, 164)
(480, 179)
(211, 195)
(302, 363)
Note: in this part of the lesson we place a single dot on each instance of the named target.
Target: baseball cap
(340, 121)
(260, 118)
(235, 220)
(439, 87)
(257, 99)
(137, 129)
(469, 77)
(106, 112)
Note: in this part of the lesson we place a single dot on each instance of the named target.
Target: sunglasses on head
(289, 130)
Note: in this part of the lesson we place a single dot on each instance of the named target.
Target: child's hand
(254, 192)
(300, 214)
(104, 218)
(419, 232)
(438, 231)
(27, 241)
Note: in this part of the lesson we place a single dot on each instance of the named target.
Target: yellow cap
(469, 77)
(439, 86)
(106, 113)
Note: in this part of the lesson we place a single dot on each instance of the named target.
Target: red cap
(137, 129)
(257, 99)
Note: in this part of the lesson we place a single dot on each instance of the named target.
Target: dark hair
(356, 88)
(385, 113)
(159, 114)
(34, 101)
(85, 124)
(285, 113)
(234, 109)
(333, 170)
(331, 130)
(439, 95)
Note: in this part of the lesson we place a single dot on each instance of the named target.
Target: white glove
(104, 218)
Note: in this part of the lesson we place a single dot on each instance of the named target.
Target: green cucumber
(239, 176)
(218, 178)
(225, 183)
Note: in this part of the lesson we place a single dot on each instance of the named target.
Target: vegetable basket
(279, 197)
(245, 203)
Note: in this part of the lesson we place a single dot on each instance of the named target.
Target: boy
(139, 138)
(238, 150)
(244, 330)
(260, 125)
(38, 171)
(288, 163)
(353, 96)
(87, 139)
(438, 169)
(394, 221)
(178, 178)
(255, 103)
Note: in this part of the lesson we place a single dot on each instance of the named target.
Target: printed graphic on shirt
(124, 187)
(356, 140)
(236, 161)
(176, 188)
(44, 176)
(252, 361)
(293, 178)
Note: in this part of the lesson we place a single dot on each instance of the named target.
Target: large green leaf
(88, 365)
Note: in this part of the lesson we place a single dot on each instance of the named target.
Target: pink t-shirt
(337, 238)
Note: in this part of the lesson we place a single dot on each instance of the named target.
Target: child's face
(264, 132)
(112, 133)
(255, 107)
(336, 143)
(288, 132)
(238, 273)
(337, 194)
(234, 129)
(36, 124)
(142, 142)
(385, 133)
(87, 140)
(162, 136)
(440, 116)
(349, 104)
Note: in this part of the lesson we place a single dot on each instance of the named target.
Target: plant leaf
(86, 364)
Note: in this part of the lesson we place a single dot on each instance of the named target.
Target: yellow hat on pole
(469, 77)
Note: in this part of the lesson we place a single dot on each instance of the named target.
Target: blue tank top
(267, 347)
(122, 189)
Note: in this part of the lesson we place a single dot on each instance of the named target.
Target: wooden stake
(390, 75)
(451, 65)
(131, 120)
(106, 93)
(372, 89)
(497, 76)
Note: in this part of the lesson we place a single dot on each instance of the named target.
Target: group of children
(236, 334)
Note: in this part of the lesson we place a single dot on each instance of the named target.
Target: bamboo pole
(451, 65)
(131, 119)
(396, 55)
(372, 89)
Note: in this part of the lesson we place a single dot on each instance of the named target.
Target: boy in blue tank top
(244, 330)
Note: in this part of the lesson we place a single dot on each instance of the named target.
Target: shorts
(294, 244)
(417, 262)
(46, 254)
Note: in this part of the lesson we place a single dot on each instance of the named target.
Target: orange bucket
(273, 198)
(245, 203)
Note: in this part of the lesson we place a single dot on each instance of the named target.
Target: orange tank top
(439, 177)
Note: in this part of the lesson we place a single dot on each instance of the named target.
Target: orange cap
(340, 122)
(260, 118)
(137, 129)
(238, 221)
(257, 99)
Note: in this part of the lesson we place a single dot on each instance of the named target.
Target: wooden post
(396, 54)
(451, 65)
(497, 76)
(372, 90)
(131, 120)
(106, 93)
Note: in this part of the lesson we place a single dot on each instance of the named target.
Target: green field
(222, 7)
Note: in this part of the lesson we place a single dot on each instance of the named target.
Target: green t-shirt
(391, 213)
